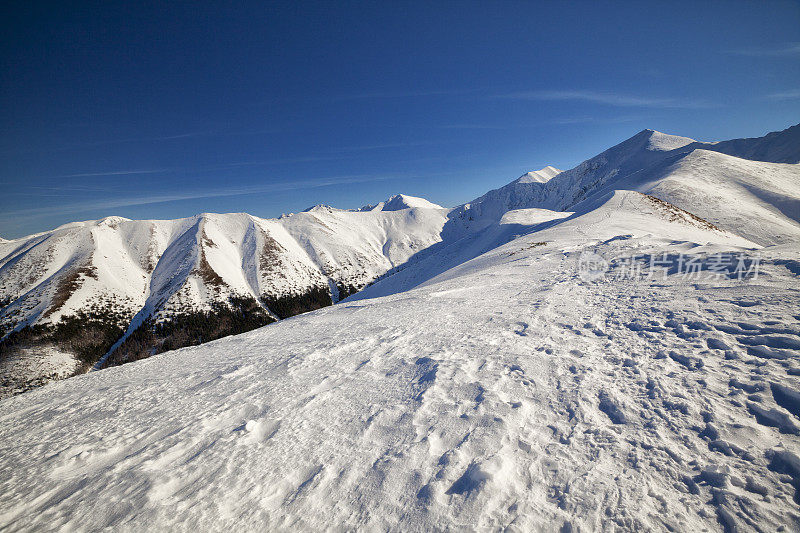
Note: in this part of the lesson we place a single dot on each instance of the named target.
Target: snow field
(507, 394)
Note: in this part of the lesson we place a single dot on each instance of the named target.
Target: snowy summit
(539, 176)
(401, 201)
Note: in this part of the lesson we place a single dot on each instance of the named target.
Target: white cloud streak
(129, 201)
(783, 50)
(114, 173)
(791, 94)
(399, 94)
(607, 98)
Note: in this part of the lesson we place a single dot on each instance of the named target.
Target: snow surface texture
(506, 392)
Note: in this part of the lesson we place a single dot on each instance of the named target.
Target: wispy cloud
(603, 120)
(183, 135)
(154, 138)
(114, 173)
(557, 121)
(572, 120)
(607, 98)
(73, 145)
(791, 94)
(82, 188)
(264, 163)
(384, 146)
(473, 127)
(781, 50)
(129, 201)
(330, 155)
(38, 191)
(399, 94)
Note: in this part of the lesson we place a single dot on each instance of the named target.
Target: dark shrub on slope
(286, 306)
(239, 315)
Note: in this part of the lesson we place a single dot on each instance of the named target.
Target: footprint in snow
(611, 409)
(746, 303)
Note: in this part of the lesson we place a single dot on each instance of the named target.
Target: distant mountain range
(117, 290)
(144, 286)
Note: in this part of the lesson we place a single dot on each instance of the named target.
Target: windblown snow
(516, 369)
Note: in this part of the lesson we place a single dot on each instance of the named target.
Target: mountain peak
(663, 142)
(539, 176)
(398, 202)
(112, 221)
(317, 208)
(656, 141)
(403, 201)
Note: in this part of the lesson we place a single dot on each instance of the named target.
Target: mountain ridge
(640, 163)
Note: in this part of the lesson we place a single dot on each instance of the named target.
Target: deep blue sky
(163, 111)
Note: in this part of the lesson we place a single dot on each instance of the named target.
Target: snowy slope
(759, 201)
(46, 275)
(774, 147)
(505, 393)
(754, 188)
(353, 248)
(756, 200)
(523, 192)
(627, 213)
(639, 159)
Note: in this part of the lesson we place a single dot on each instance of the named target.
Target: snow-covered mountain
(186, 264)
(754, 199)
(751, 189)
(506, 390)
(493, 205)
